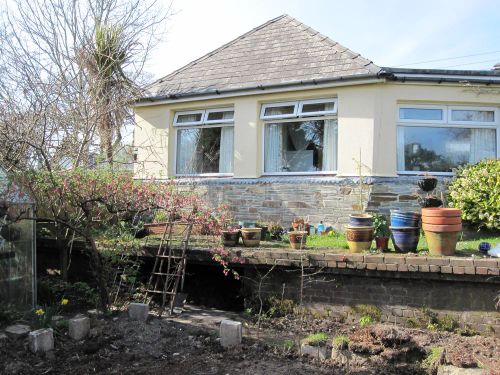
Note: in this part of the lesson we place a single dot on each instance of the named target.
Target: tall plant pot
(405, 239)
(441, 243)
(359, 239)
(250, 236)
(441, 227)
(297, 239)
(405, 218)
(230, 238)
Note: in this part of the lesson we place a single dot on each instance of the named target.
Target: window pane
(223, 115)
(441, 149)
(299, 146)
(472, 115)
(317, 107)
(195, 117)
(198, 150)
(279, 111)
(420, 114)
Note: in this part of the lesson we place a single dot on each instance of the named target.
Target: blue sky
(388, 32)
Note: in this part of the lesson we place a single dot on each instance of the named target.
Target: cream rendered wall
(367, 117)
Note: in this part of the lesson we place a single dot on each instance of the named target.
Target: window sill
(332, 173)
(423, 173)
(205, 175)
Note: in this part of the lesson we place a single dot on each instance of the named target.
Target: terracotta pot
(441, 220)
(297, 239)
(230, 238)
(442, 228)
(250, 236)
(359, 238)
(436, 211)
(382, 243)
(441, 243)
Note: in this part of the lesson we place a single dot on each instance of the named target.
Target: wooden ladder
(170, 266)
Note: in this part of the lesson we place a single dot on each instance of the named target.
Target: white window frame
(446, 124)
(464, 108)
(422, 106)
(317, 101)
(226, 121)
(285, 121)
(276, 105)
(200, 125)
(181, 113)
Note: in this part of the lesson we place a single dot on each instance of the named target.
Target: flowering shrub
(475, 190)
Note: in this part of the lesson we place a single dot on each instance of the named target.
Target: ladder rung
(166, 274)
(169, 256)
(159, 292)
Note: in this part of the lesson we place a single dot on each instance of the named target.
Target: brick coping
(362, 261)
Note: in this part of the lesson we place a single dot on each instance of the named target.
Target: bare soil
(188, 344)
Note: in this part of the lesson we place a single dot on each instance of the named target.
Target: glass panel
(189, 118)
(297, 146)
(223, 115)
(317, 107)
(428, 114)
(472, 115)
(442, 149)
(198, 150)
(279, 111)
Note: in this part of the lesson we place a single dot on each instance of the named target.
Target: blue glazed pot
(405, 218)
(360, 220)
(405, 239)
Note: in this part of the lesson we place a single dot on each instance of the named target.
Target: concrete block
(230, 333)
(452, 370)
(319, 352)
(17, 331)
(41, 340)
(138, 311)
(461, 262)
(79, 327)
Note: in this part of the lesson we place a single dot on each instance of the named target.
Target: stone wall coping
(387, 262)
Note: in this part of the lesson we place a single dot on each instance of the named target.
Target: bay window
(204, 142)
(300, 137)
(440, 138)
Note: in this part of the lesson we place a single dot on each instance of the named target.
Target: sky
(458, 34)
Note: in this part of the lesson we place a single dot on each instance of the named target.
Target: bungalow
(275, 122)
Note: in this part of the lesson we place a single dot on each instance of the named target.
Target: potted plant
(381, 232)
(264, 230)
(298, 224)
(427, 183)
(441, 227)
(276, 231)
(359, 232)
(297, 239)
(250, 236)
(231, 235)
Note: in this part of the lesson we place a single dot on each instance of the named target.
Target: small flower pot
(230, 238)
(405, 239)
(360, 220)
(382, 243)
(250, 236)
(427, 184)
(359, 239)
(441, 243)
(297, 239)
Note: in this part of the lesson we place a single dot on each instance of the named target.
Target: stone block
(355, 257)
(457, 270)
(341, 264)
(412, 267)
(319, 352)
(402, 268)
(493, 271)
(79, 327)
(392, 259)
(446, 269)
(461, 262)
(491, 263)
(391, 267)
(481, 270)
(332, 264)
(381, 267)
(230, 333)
(416, 260)
(434, 268)
(423, 268)
(470, 270)
(41, 340)
(438, 261)
(452, 370)
(374, 258)
(371, 266)
(17, 331)
(138, 311)
(336, 257)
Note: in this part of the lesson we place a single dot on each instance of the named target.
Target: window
(204, 141)
(304, 145)
(439, 139)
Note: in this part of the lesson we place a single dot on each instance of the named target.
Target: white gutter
(447, 77)
(233, 94)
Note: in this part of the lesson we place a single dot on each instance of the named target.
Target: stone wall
(330, 199)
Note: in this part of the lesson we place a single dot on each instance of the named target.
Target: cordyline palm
(104, 60)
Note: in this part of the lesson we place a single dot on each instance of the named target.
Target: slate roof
(281, 51)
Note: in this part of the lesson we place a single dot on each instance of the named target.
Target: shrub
(316, 339)
(365, 320)
(371, 311)
(340, 342)
(475, 190)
